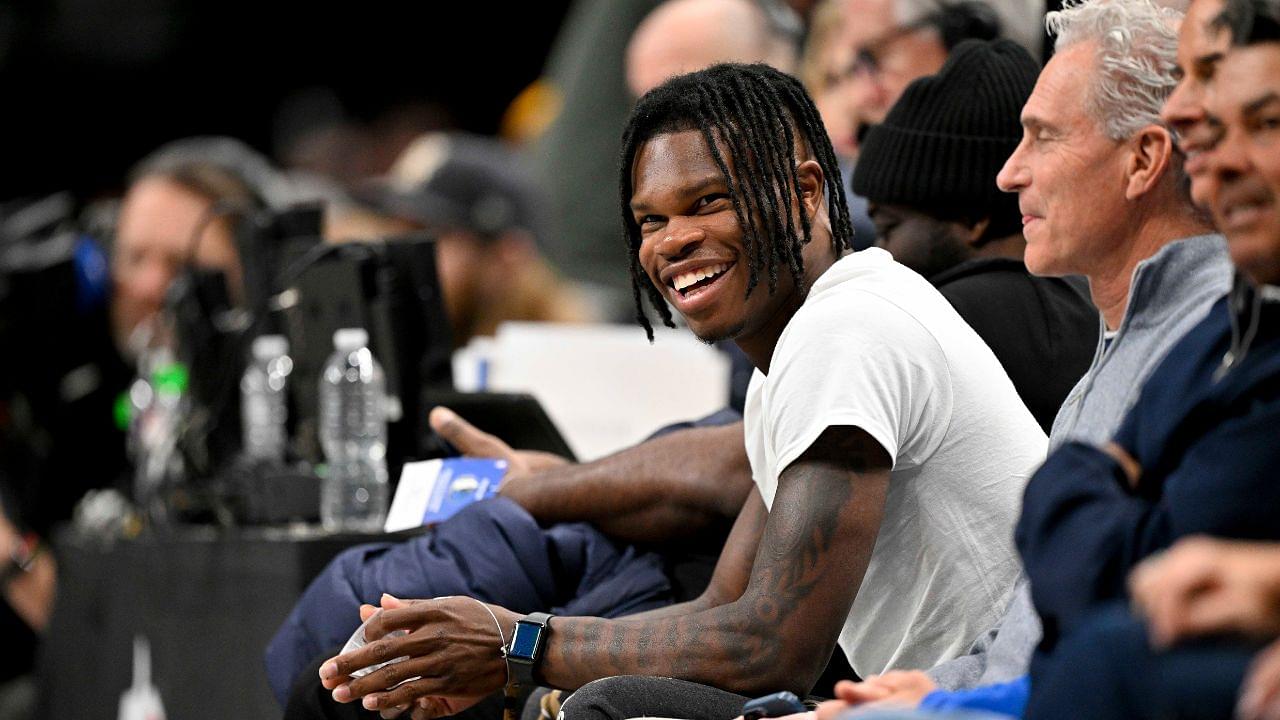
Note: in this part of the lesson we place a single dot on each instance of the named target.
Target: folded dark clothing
(492, 550)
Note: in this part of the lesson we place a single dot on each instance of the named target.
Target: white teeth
(684, 280)
(1239, 212)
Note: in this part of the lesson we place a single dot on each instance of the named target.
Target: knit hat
(942, 144)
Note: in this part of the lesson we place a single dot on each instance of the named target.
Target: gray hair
(1136, 57)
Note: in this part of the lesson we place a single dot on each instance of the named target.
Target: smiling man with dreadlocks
(887, 445)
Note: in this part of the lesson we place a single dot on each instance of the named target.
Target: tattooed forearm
(779, 631)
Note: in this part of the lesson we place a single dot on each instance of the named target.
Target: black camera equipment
(391, 289)
(53, 285)
(59, 374)
(297, 285)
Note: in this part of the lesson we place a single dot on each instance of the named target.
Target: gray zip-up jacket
(1171, 292)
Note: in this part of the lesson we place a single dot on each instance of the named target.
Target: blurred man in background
(59, 434)
(681, 36)
(892, 42)
(862, 54)
(174, 214)
(489, 220)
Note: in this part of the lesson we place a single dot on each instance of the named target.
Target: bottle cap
(269, 347)
(350, 339)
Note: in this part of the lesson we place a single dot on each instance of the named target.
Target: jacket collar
(1160, 283)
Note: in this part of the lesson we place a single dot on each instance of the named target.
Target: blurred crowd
(1009, 271)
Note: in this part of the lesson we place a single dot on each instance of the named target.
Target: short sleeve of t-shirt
(852, 357)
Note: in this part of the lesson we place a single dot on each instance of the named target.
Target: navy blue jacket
(1207, 438)
(495, 551)
(492, 550)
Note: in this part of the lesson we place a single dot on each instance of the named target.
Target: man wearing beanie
(929, 172)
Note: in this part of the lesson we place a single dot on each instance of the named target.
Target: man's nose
(151, 281)
(681, 238)
(1183, 109)
(1014, 175)
(1227, 157)
(867, 97)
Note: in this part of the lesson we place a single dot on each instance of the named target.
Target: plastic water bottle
(159, 407)
(142, 700)
(353, 434)
(263, 401)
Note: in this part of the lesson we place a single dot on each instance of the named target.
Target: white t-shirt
(876, 347)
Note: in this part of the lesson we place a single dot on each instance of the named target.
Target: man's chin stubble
(730, 334)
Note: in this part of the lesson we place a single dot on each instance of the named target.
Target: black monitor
(300, 286)
(390, 288)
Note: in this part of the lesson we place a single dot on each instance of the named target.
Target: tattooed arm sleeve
(779, 632)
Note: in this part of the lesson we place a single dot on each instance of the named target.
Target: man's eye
(648, 220)
(706, 200)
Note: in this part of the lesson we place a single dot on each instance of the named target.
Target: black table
(207, 601)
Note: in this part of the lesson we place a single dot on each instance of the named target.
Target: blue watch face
(525, 642)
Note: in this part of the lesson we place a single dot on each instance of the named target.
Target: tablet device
(518, 419)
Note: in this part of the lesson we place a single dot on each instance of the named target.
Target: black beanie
(942, 144)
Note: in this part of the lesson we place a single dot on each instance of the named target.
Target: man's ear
(975, 235)
(809, 179)
(1150, 155)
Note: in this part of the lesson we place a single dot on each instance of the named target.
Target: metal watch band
(521, 668)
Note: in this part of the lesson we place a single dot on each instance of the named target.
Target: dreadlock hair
(749, 113)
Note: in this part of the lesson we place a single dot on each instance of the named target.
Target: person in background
(883, 45)
(175, 213)
(929, 172)
(823, 62)
(892, 42)
(59, 436)
(28, 578)
(1201, 46)
(681, 36)
(488, 219)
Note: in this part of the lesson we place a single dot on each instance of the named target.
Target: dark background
(87, 87)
